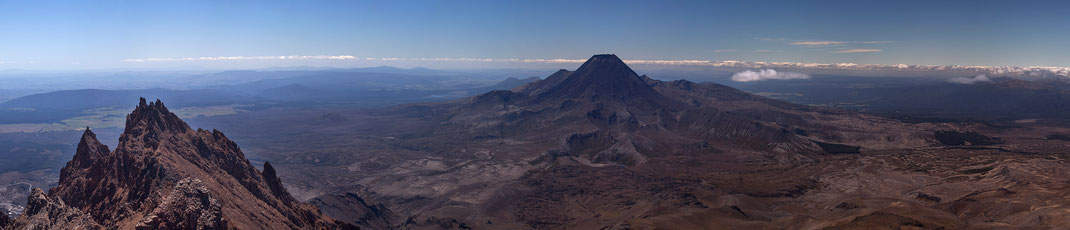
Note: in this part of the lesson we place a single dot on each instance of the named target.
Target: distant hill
(396, 70)
(1002, 98)
(59, 105)
(95, 98)
(369, 88)
(288, 88)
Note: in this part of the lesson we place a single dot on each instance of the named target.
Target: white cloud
(768, 51)
(347, 57)
(835, 43)
(1002, 70)
(970, 80)
(818, 43)
(667, 62)
(767, 74)
(876, 42)
(244, 58)
(770, 39)
(724, 51)
(857, 51)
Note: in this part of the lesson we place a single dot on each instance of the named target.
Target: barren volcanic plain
(602, 147)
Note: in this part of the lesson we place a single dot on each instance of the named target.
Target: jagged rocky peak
(273, 182)
(89, 153)
(163, 175)
(154, 116)
(89, 148)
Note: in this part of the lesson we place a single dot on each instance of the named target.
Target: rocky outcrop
(189, 206)
(4, 221)
(165, 175)
(274, 183)
(352, 208)
(45, 212)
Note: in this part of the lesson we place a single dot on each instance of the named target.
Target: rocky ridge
(165, 175)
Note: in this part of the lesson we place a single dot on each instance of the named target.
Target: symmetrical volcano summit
(606, 79)
(164, 175)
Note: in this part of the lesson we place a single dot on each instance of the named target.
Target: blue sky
(109, 34)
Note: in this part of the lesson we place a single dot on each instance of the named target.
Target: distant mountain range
(349, 87)
(1001, 98)
(59, 105)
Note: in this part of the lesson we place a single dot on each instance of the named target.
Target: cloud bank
(819, 43)
(242, 58)
(857, 51)
(834, 43)
(767, 74)
(876, 42)
(996, 70)
(969, 80)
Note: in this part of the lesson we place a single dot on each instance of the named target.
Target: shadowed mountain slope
(606, 79)
(589, 148)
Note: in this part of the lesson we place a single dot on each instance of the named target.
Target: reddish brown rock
(165, 175)
(49, 212)
(197, 209)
